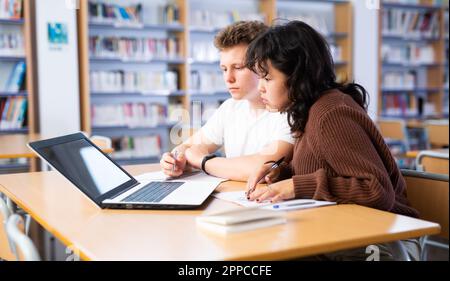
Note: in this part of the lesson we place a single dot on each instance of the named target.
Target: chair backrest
(393, 128)
(23, 246)
(101, 141)
(433, 161)
(438, 133)
(5, 246)
(428, 193)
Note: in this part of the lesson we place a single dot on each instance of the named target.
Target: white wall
(365, 49)
(57, 71)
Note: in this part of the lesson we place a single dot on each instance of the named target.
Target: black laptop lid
(85, 165)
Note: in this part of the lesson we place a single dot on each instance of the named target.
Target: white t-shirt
(241, 131)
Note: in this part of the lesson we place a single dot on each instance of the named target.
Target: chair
(102, 142)
(5, 245)
(395, 134)
(23, 247)
(437, 133)
(428, 193)
(433, 161)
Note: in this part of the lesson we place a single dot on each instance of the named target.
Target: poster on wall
(57, 35)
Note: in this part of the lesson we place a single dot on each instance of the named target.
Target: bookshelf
(17, 95)
(199, 85)
(413, 65)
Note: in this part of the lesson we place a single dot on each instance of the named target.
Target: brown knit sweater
(342, 157)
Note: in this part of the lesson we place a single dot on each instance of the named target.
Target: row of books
(131, 14)
(416, 2)
(319, 21)
(134, 48)
(399, 80)
(399, 105)
(204, 51)
(207, 81)
(99, 11)
(202, 111)
(336, 52)
(130, 81)
(213, 19)
(132, 115)
(11, 44)
(410, 23)
(13, 112)
(408, 54)
(11, 9)
(16, 79)
(136, 147)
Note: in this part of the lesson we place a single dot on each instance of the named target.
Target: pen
(293, 204)
(174, 164)
(274, 166)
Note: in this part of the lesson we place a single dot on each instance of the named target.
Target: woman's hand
(255, 177)
(282, 190)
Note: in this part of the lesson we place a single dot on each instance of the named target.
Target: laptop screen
(84, 165)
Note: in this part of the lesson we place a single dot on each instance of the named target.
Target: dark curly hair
(303, 55)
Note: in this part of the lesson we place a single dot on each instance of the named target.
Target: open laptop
(110, 186)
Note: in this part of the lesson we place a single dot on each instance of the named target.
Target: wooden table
(15, 146)
(173, 235)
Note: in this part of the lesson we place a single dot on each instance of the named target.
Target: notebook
(239, 220)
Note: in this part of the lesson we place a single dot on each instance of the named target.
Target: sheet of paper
(238, 197)
(160, 176)
(298, 204)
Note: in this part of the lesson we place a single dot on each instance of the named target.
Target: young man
(249, 134)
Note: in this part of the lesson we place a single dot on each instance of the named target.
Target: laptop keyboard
(153, 192)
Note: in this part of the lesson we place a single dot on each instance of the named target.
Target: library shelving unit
(200, 87)
(413, 64)
(413, 69)
(22, 95)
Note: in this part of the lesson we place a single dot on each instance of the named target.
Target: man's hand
(171, 166)
(195, 155)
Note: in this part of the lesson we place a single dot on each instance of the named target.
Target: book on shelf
(131, 115)
(119, 81)
(204, 51)
(11, 43)
(134, 48)
(320, 21)
(410, 23)
(13, 112)
(399, 105)
(16, 79)
(417, 2)
(114, 13)
(413, 54)
(136, 147)
(169, 14)
(207, 81)
(404, 80)
(215, 19)
(175, 113)
(11, 9)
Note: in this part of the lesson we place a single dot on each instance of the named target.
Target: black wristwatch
(206, 158)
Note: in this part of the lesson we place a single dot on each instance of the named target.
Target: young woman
(339, 154)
